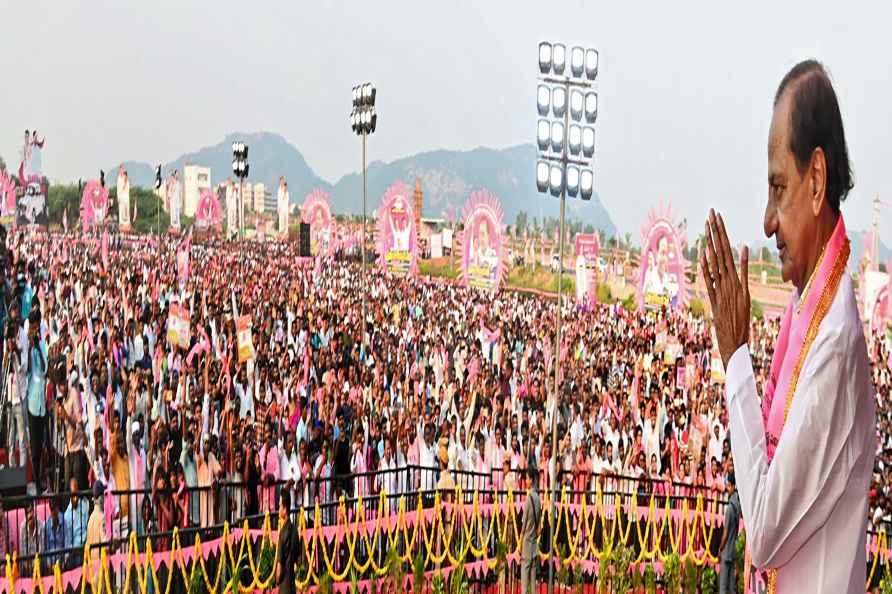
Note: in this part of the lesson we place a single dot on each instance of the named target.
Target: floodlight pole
(557, 340)
(364, 277)
(241, 208)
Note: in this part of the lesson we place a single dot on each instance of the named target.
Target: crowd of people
(453, 386)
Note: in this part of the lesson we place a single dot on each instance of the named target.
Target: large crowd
(453, 385)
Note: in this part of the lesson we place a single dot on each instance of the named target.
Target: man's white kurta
(806, 514)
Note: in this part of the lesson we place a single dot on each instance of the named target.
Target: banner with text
(397, 235)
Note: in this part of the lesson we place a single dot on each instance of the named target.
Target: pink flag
(473, 369)
(156, 364)
(198, 348)
(490, 336)
(183, 267)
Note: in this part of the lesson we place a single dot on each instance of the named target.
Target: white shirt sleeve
(785, 503)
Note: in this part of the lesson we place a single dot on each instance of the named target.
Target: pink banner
(482, 241)
(208, 214)
(7, 199)
(397, 235)
(94, 204)
(316, 212)
(661, 272)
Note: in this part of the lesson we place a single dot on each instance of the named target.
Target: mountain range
(447, 178)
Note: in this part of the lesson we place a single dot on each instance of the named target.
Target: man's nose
(769, 222)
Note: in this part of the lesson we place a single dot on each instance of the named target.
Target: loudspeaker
(12, 482)
(305, 240)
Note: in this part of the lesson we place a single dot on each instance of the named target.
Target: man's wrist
(738, 370)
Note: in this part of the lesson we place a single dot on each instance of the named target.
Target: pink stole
(798, 330)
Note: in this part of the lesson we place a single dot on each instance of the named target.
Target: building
(195, 178)
(271, 204)
(259, 196)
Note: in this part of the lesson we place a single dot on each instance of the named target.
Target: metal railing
(206, 510)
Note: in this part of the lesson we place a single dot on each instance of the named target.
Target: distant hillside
(269, 155)
(447, 177)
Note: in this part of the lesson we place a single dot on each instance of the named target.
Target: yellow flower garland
(450, 529)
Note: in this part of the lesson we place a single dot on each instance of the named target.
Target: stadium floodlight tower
(363, 121)
(240, 170)
(567, 106)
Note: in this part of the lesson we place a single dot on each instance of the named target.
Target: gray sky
(685, 87)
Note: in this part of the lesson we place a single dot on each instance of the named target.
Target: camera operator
(15, 364)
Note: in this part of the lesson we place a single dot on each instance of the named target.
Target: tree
(144, 200)
(766, 253)
(2, 164)
(520, 222)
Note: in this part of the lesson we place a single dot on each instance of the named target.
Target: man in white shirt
(651, 438)
(289, 465)
(802, 472)
(426, 460)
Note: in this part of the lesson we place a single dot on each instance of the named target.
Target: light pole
(158, 191)
(565, 136)
(240, 169)
(363, 121)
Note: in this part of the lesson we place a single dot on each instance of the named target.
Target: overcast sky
(685, 87)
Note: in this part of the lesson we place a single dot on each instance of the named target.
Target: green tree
(520, 222)
(2, 164)
(758, 311)
(60, 197)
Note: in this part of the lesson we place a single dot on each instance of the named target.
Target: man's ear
(817, 179)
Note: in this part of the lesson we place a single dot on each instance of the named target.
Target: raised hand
(729, 294)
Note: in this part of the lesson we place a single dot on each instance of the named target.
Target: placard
(718, 370)
(245, 342)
